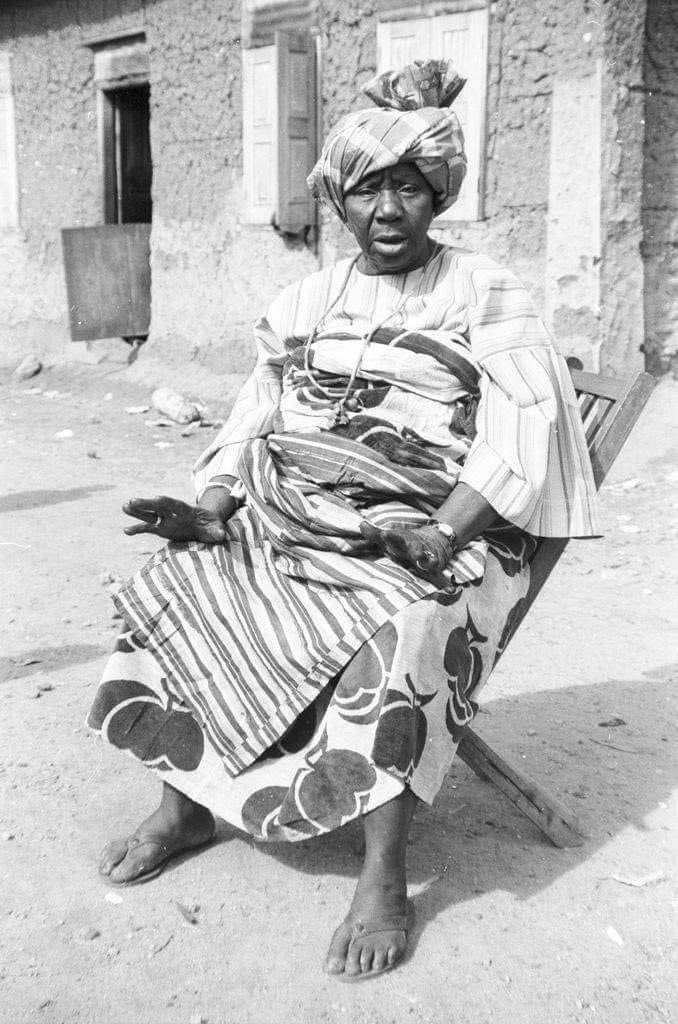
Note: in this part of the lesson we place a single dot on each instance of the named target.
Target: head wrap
(412, 123)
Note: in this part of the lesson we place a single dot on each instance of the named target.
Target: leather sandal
(358, 928)
(167, 848)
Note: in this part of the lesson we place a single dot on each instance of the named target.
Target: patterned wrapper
(412, 123)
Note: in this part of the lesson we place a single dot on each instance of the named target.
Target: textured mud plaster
(348, 40)
(622, 314)
(212, 275)
(57, 159)
(530, 43)
(573, 299)
(660, 192)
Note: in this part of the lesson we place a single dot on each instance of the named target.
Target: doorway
(107, 265)
(128, 169)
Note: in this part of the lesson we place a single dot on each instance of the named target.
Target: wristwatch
(447, 531)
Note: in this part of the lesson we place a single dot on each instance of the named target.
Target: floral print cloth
(392, 717)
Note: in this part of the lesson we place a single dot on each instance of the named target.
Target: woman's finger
(397, 544)
(372, 533)
(391, 542)
(171, 506)
(212, 534)
(141, 508)
(426, 560)
(139, 528)
(415, 455)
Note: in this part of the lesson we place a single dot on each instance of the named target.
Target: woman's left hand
(175, 520)
(424, 551)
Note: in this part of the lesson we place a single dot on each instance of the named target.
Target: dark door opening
(128, 170)
(107, 266)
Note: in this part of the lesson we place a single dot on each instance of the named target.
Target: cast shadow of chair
(567, 749)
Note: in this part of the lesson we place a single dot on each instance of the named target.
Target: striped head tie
(411, 123)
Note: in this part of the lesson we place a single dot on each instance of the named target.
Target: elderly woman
(311, 644)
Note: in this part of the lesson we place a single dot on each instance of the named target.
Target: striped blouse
(529, 458)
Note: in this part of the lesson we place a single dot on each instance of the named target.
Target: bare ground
(508, 928)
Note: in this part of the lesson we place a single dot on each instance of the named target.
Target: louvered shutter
(463, 39)
(279, 131)
(295, 56)
(400, 42)
(260, 115)
(9, 189)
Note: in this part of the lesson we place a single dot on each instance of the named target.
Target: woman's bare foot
(380, 902)
(177, 825)
(374, 935)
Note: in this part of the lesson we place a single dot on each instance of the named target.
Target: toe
(112, 854)
(380, 959)
(335, 964)
(366, 958)
(127, 870)
(394, 955)
(131, 869)
(353, 965)
(335, 960)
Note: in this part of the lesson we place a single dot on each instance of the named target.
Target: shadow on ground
(22, 501)
(612, 777)
(47, 659)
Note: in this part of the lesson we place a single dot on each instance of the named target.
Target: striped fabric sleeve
(529, 458)
(252, 415)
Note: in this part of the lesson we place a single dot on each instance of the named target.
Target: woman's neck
(366, 265)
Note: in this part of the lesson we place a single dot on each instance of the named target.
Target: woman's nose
(388, 207)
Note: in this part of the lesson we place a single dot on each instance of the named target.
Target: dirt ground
(508, 928)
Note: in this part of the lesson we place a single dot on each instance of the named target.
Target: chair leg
(545, 811)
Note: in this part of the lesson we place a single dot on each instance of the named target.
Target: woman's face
(390, 212)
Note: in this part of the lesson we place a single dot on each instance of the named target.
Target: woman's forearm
(467, 512)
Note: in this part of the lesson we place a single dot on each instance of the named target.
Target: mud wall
(210, 275)
(58, 167)
(660, 187)
(622, 278)
(532, 44)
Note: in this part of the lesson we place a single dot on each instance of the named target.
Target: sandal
(167, 848)
(359, 928)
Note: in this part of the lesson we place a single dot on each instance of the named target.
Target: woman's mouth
(389, 243)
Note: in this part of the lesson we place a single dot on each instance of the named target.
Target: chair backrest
(610, 407)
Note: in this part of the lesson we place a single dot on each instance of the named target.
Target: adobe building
(179, 135)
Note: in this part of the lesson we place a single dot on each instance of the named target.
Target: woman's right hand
(423, 550)
(176, 520)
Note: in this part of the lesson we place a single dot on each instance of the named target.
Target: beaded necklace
(344, 403)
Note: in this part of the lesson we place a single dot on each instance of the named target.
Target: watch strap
(447, 531)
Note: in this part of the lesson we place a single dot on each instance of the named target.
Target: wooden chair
(610, 408)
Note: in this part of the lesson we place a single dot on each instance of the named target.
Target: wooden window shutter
(9, 186)
(279, 131)
(400, 42)
(260, 115)
(295, 54)
(461, 37)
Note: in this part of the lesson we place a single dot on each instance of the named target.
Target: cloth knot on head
(412, 123)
